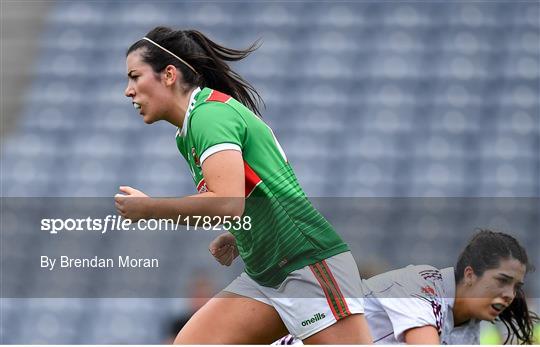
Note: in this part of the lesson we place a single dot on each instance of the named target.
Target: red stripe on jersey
(201, 187)
(218, 96)
(252, 179)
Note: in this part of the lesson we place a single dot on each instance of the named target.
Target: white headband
(171, 53)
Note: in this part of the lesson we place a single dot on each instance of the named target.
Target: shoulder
(216, 113)
(213, 100)
(429, 273)
(421, 274)
(211, 108)
(428, 281)
(413, 281)
(409, 275)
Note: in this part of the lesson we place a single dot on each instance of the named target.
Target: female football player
(425, 305)
(299, 275)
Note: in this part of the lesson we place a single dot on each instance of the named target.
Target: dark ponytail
(519, 321)
(484, 252)
(207, 58)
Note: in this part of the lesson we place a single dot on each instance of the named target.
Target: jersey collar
(192, 100)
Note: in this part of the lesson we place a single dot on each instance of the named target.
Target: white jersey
(415, 296)
(411, 297)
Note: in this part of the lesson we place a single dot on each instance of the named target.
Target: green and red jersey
(287, 232)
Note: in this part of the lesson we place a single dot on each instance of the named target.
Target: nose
(129, 92)
(508, 295)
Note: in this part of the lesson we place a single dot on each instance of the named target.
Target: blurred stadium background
(368, 99)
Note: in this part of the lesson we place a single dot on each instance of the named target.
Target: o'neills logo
(316, 317)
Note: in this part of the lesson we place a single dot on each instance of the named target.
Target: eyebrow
(510, 278)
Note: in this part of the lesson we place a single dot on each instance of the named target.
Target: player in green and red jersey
(299, 275)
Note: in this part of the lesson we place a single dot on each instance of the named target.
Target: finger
(217, 243)
(217, 247)
(221, 251)
(213, 251)
(222, 258)
(127, 189)
(212, 247)
(219, 260)
(230, 256)
(228, 259)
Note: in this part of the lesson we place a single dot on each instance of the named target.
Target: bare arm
(224, 176)
(426, 335)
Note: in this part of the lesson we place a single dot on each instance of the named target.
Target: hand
(132, 204)
(224, 249)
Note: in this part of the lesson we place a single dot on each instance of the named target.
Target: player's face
(495, 290)
(145, 88)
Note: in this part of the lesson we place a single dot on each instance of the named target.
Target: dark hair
(484, 252)
(205, 56)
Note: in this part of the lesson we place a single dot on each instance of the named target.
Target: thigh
(349, 330)
(321, 295)
(233, 319)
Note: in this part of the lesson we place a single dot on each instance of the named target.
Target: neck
(180, 106)
(461, 308)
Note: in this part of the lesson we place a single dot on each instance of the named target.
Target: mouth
(136, 105)
(498, 308)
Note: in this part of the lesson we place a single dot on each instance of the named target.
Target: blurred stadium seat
(368, 100)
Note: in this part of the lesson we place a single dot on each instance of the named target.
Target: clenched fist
(224, 249)
(133, 204)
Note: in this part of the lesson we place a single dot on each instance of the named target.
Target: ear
(468, 276)
(171, 74)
